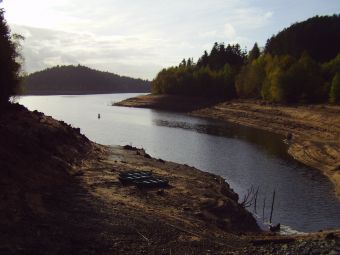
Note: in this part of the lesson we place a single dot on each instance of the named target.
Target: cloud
(238, 24)
(229, 31)
(115, 34)
(252, 18)
(45, 48)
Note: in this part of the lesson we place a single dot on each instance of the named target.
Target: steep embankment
(60, 194)
(315, 129)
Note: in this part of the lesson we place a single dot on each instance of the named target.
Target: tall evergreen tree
(254, 53)
(9, 66)
(203, 61)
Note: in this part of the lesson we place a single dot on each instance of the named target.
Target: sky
(138, 38)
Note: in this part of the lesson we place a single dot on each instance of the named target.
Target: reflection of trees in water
(272, 143)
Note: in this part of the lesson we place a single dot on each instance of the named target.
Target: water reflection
(270, 142)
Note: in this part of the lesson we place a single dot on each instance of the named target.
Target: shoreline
(61, 195)
(315, 129)
(77, 93)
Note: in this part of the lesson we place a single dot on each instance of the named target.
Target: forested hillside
(80, 80)
(317, 36)
(301, 64)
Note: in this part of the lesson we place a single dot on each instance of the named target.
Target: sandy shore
(315, 129)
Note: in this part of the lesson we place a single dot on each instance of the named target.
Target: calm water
(245, 157)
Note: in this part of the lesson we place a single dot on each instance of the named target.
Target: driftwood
(271, 212)
(264, 205)
(143, 236)
(248, 198)
(255, 199)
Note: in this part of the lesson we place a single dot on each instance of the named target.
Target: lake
(245, 157)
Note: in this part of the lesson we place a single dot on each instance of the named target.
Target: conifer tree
(9, 65)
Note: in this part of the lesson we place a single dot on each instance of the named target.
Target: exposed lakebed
(244, 156)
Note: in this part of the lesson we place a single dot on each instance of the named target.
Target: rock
(330, 236)
(160, 192)
(316, 251)
(129, 147)
(285, 247)
(289, 136)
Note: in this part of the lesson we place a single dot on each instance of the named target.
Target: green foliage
(254, 53)
(334, 94)
(271, 90)
(80, 79)
(220, 56)
(291, 69)
(204, 82)
(212, 76)
(293, 81)
(331, 67)
(9, 64)
(318, 36)
(250, 79)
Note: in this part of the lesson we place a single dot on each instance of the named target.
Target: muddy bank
(60, 194)
(314, 129)
(168, 103)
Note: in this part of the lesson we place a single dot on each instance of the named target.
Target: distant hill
(80, 80)
(318, 36)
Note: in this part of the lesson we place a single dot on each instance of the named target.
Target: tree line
(60, 79)
(81, 79)
(301, 64)
(212, 76)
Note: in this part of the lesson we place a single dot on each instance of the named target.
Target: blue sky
(139, 38)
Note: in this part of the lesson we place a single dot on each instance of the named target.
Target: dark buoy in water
(98, 115)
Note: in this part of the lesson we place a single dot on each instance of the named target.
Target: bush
(331, 67)
(334, 94)
(250, 79)
(290, 81)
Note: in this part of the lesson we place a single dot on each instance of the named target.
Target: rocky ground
(60, 194)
